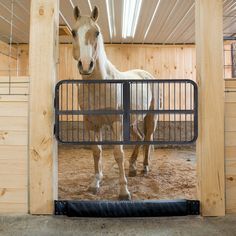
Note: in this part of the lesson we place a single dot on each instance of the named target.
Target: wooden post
(210, 145)
(43, 67)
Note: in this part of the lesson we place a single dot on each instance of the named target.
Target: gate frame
(126, 111)
(43, 66)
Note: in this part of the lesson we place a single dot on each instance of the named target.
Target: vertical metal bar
(105, 94)
(136, 98)
(111, 107)
(158, 108)
(141, 83)
(180, 108)
(89, 107)
(78, 116)
(94, 108)
(191, 107)
(126, 116)
(175, 112)
(148, 105)
(57, 107)
(185, 84)
(67, 107)
(72, 87)
(131, 99)
(83, 109)
(116, 102)
(195, 111)
(61, 116)
(164, 116)
(169, 108)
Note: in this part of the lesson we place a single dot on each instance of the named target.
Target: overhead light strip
(151, 21)
(72, 4)
(90, 5)
(111, 18)
(131, 12)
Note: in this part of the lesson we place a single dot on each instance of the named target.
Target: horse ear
(94, 14)
(76, 13)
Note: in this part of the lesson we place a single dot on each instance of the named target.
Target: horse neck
(103, 66)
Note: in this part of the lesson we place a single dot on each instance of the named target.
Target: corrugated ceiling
(173, 21)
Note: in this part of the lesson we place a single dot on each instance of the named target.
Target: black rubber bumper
(147, 208)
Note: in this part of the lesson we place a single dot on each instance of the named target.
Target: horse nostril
(91, 65)
(80, 64)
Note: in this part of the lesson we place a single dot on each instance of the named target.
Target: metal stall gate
(113, 112)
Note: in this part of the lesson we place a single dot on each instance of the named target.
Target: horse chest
(100, 97)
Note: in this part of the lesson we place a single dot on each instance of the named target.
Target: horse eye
(74, 33)
(97, 33)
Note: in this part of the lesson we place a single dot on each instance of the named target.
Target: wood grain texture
(43, 73)
(230, 145)
(163, 62)
(210, 145)
(13, 154)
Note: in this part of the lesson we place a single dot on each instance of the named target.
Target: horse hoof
(145, 170)
(125, 197)
(132, 173)
(93, 190)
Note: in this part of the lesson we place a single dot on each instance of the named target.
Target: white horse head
(86, 33)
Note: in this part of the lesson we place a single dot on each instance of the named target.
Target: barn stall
(164, 46)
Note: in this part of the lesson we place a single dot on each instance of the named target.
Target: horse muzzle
(86, 71)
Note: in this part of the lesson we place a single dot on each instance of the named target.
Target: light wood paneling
(13, 152)
(230, 145)
(42, 146)
(164, 62)
(210, 145)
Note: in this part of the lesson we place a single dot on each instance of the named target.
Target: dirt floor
(172, 175)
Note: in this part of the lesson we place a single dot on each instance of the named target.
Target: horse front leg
(119, 157)
(97, 156)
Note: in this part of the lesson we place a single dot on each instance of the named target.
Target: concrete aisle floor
(49, 225)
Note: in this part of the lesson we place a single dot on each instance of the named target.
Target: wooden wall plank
(13, 123)
(13, 195)
(9, 137)
(13, 180)
(230, 145)
(10, 208)
(210, 145)
(16, 109)
(43, 74)
(230, 110)
(13, 153)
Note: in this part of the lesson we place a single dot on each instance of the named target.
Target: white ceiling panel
(186, 24)
(182, 9)
(166, 10)
(146, 15)
(173, 22)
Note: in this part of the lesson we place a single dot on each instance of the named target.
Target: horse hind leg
(149, 129)
(133, 159)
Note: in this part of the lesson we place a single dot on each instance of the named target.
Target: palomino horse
(89, 52)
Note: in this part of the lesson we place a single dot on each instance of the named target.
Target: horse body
(93, 64)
